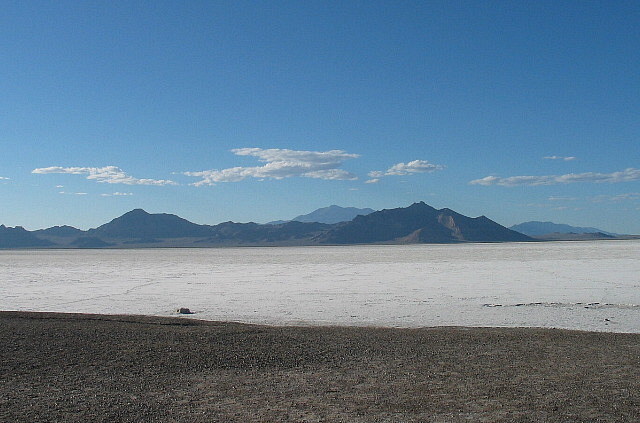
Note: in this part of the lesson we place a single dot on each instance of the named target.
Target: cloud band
(107, 174)
(401, 169)
(280, 164)
(627, 175)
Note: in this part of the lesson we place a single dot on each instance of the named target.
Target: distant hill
(142, 225)
(288, 233)
(557, 236)
(333, 214)
(419, 223)
(19, 237)
(535, 229)
(59, 231)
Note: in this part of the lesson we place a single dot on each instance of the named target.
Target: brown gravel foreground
(94, 368)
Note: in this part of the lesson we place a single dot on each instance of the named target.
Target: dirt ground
(94, 368)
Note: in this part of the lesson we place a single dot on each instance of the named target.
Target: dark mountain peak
(140, 224)
(136, 212)
(419, 223)
(416, 212)
(142, 214)
(63, 231)
(420, 205)
(417, 208)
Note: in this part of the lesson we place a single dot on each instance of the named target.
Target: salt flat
(574, 285)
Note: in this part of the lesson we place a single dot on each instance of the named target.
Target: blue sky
(264, 110)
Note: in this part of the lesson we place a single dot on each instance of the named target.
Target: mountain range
(535, 228)
(19, 237)
(332, 214)
(418, 223)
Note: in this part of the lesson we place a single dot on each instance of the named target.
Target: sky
(265, 110)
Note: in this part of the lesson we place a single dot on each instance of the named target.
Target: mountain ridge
(420, 223)
(538, 228)
(143, 225)
(417, 223)
(19, 237)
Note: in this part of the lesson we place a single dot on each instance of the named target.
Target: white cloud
(3, 178)
(565, 158)
(117, 194)
(514, 180)
(410, 168)
(72, 193)
(107, 174)
(560, 198)
(487, 180)
(627, 175)
(629, 196)
(280, 164)
(372, 181)
(331, 174)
